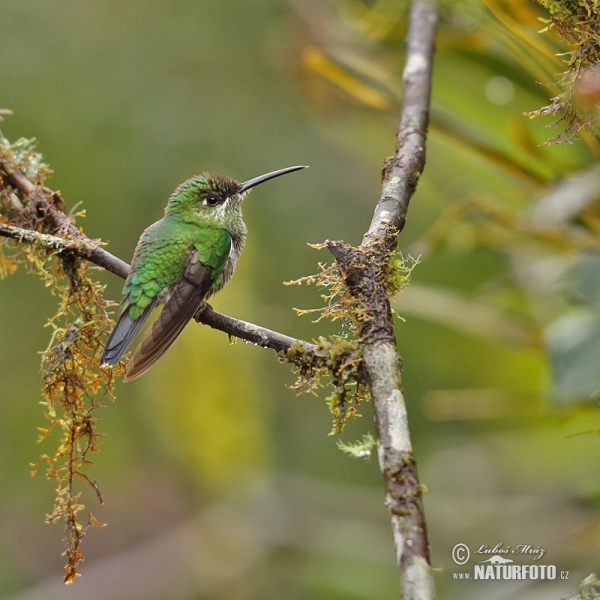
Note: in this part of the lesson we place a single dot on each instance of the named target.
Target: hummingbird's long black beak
(262, 178)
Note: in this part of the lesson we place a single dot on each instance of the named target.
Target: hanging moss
(577, 23)
(339, 359)
(75, 385)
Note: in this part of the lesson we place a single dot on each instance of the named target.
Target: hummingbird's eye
(211, 201)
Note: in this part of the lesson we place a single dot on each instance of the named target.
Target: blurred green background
(220, 482)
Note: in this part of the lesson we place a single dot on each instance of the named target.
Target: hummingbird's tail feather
(122, 335)
(176, 314)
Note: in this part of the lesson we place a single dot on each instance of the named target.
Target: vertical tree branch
(402, 171)
(383, 365)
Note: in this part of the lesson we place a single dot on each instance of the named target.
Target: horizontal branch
(85, 248)
(92, 251)
(248, 331)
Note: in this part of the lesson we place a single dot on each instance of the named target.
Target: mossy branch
(90, 250)
(339, 359)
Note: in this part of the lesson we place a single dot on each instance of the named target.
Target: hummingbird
(180, 261)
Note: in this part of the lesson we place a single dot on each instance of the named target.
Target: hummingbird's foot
(202, 308)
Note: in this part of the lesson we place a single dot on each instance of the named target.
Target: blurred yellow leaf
(316, 60)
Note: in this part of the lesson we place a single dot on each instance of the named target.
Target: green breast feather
(161, 258)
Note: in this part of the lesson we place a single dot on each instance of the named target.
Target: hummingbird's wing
(183, 303)
(122, 335)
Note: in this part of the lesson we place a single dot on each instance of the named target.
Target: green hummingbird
(180, 261)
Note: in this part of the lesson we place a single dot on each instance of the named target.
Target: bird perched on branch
(180, 261)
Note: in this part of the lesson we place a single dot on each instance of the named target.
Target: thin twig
(248, 331)
(383, 365)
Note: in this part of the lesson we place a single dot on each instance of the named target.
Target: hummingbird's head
(212, 197)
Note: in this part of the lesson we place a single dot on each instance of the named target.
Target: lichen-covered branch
(364, 271)
(93, 252)
(82, 247)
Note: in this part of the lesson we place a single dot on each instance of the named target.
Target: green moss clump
(356, 293)
(578, 24)
(340, 360)
(75, 385)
